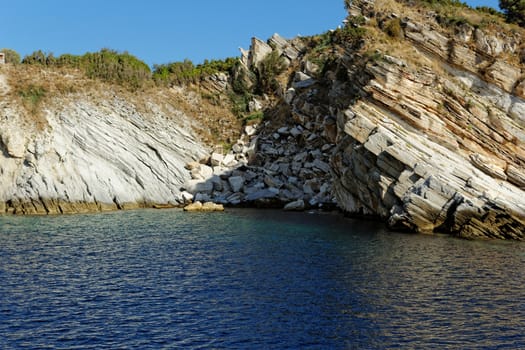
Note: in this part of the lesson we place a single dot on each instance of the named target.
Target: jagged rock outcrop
(435, 145)
(420, 123)
(93, 154)
(428, 138)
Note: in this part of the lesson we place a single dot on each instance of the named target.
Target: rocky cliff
(91, 150)
(412, 113)
(415, 117)
(435, 142)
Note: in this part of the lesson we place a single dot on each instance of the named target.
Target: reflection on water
(252, 279)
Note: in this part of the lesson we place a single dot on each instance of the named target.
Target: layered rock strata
(93, 155)
(428, 144)
(428, 137)
(436, 145)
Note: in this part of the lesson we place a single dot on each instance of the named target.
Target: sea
(252, 279)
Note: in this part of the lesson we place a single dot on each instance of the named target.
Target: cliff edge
(412, 112)
(89, 147)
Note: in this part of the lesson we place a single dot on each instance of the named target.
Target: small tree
(271, 66)
(37, 57)
(11, 56)
(514, 11)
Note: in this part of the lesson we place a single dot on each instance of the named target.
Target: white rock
(186, 197)
(236, 183)
(297, 205)
(101, 151)
(195, 186)
(254, 105)
(250, 130)
(229, 160)
(289, 95)
(237, 148)
(216, 159)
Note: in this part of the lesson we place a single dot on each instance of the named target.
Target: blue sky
(161, 31)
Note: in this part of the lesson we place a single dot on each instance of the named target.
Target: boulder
(206, 207)
(236, 183)
(250, 130)
(216, 159)
(297, 205)
(261, 194)
(195, 186)
(302, 81)
(229, 160)
(202, 197)
(289, 95)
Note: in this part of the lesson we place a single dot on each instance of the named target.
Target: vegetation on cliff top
(107, 65)
(370, 36)
(514, 11)
(186, 72)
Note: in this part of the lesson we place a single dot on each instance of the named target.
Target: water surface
(252, 279)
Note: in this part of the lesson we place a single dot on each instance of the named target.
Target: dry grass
(35, 89)
(379, 41)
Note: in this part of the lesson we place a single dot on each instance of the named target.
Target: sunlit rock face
(90, 155)
(435, 143)
(423, 129)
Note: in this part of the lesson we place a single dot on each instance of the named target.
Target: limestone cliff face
(435, 142)
(419, 122)
(424, 129)
(92, 153)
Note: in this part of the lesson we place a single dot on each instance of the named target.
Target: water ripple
(251, 279)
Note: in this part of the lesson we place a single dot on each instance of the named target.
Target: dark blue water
(252, 279)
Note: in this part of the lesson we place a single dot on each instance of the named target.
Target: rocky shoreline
(428, 138)
(278, 174)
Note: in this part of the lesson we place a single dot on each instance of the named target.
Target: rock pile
(269, 169)
(274, 163)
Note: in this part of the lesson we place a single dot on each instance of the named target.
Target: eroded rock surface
(90, 156)
(436, 145)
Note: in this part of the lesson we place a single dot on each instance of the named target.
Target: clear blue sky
(161, 31)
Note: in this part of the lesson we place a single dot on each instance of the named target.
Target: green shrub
(11, 56)
(32, 96)
(254, 118)
(242, 79)
(489, 10)
(185, 72)
(352, 33)
(37, 57)
(68, 60)
(446, 3)
(514, 11)
(240, 103)
(121, 68)
(108, 65)
(393, 28)
(452, 20)
(270, 68)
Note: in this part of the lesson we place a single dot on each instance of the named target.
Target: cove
(253, 279)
